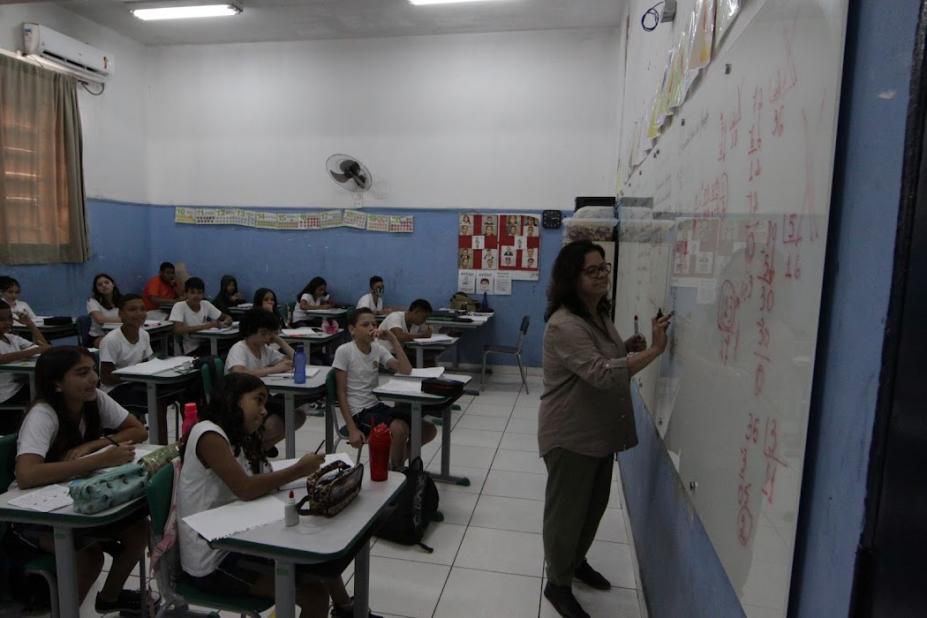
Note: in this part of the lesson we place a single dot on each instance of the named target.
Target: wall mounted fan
(349, 173)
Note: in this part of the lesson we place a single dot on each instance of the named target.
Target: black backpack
(415, 508)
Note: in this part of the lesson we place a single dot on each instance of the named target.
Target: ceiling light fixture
(186, 11)
(427, 2)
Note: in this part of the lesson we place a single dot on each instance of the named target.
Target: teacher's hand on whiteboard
(659, 325)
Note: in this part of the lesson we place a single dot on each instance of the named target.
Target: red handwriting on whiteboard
(771, 453)
(727, 321)
(786, 76)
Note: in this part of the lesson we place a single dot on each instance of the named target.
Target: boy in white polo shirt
(357, 366)
(195, 314)
(407, 325)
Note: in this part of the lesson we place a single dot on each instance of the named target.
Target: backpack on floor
(416, 506)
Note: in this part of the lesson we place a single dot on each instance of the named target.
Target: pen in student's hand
(659, 313)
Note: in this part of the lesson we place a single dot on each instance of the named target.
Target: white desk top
(317, 538)
(281, 383)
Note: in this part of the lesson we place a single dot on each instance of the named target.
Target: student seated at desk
(14, 348)
(161, 290)
(373, 299)
(314, 296)
(228, 295)
(223, 461)
(102, 306)
(195, 314)
(255, 355)
(408, 325)
(9, 292)
(357, 366)
(266, 298)
(63, 437)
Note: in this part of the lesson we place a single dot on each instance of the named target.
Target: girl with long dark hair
(103, 305)
(64, 436)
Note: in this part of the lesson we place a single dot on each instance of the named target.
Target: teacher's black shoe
(561, 597)
(591, 577)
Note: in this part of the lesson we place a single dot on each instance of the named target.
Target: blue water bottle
(299, 365)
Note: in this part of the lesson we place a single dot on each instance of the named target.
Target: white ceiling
(289, 20)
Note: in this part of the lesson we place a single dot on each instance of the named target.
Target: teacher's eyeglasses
(602, 269)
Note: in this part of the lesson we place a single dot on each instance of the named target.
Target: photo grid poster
(495, 249)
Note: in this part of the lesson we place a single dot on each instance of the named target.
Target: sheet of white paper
(457, 377)
(306, 331)
(436, 339)
(401, 386)
(46, 499)
(427, 372)
(310, 371)
(156, 365)
(235, 517)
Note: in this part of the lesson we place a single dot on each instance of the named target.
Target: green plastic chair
(44, 564)
(178, 592)
(207, 373)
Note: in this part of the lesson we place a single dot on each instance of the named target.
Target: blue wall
(680, 571)
(421, 264)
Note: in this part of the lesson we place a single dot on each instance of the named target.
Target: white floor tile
(472, 420)
(522, 425)
(468, 456)
(613, 560)
(490, 409)
(508, 514)
(520, 442)
(515, 485)
(517, 461)
(404, 588)
(614, 603)
(476, 475)
(443, 537)
(482, 594)
(456, 506)
(525, 413)
(612, 527)
(504, 551)
(474, 437)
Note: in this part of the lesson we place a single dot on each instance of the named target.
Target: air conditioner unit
(66, 54)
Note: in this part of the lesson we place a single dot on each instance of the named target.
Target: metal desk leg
(165, 352)
(214, 346)
(32, 392)
(285, 589)
(419, 357)
(329, 427)
(289, 411)
(362, 581)
(445, 475)
(154, 427)
(66, 571)
(415, 446)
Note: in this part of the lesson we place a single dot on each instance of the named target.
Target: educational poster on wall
(317, 220)
(506, 243)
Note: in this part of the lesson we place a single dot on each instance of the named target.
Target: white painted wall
(508, 120)
(113, 124)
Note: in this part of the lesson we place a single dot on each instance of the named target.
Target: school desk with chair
(50, 327)
(284, 383)
(156, 373)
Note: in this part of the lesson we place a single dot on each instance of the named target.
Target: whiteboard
(734, 244)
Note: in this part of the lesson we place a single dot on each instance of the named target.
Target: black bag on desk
(415, 508)
(58, 321)
(442, 387)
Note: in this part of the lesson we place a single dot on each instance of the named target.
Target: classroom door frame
(888, 580)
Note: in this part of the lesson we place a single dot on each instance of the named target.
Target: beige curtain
(42, 213)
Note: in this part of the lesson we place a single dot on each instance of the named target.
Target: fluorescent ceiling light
(426, 2)
(186, 12)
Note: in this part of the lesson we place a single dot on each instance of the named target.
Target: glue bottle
(290, 514)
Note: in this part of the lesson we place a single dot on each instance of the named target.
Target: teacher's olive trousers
(574, 502)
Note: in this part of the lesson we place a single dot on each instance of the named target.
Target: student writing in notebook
(102, 306)
(72, 430)
(195, 314)
(357, 366)
(228, 295)
(407, 325)
(260, 353)
(312, 297)
(9, 292)
(14, 348)
(223, 461)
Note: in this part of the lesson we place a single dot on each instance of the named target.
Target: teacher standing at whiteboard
(585, 415)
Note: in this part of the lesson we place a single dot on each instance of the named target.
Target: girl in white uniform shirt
(63, 437)
(9, 292)
(314, 296)
(14, 348)
(102, 306)
(223, 461)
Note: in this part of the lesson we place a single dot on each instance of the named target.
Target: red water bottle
(190, 418)
(379, 441)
